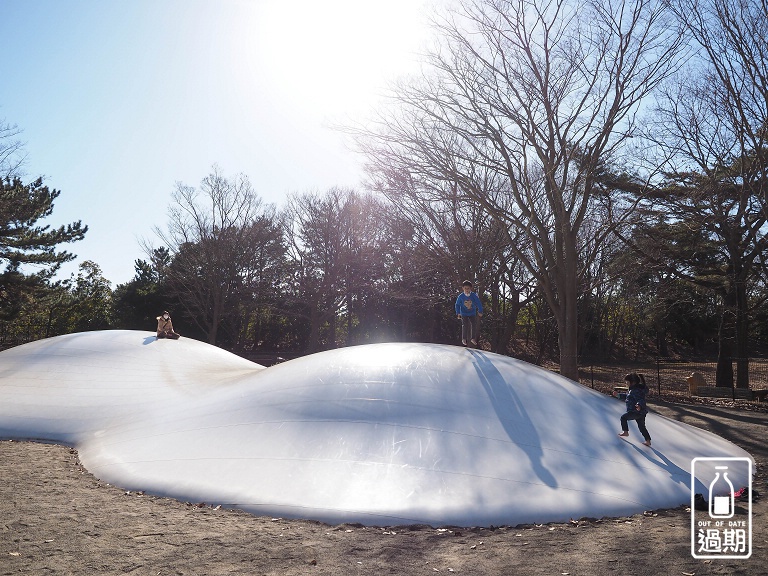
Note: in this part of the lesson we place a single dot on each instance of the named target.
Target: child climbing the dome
(636, 407)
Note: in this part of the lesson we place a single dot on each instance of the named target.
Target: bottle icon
(721, 498)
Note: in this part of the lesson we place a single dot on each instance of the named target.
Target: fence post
(658, 374)
(592, 375)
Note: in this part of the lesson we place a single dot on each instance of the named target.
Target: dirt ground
(56, 518)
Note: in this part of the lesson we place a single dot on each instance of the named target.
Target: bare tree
(335, 260)
(366, 255)
(12, 155)
(459, 240)
(519, 105)
(314, 234)
(713, 125)
(215, 243)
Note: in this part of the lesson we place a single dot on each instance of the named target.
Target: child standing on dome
(469, 309)
(636, 406)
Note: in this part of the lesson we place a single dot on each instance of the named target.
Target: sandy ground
(56, 518)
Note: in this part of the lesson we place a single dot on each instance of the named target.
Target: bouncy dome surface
(380, 434)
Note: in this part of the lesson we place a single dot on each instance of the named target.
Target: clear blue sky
(120, 99)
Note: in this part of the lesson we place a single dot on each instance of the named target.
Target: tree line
(598, 170)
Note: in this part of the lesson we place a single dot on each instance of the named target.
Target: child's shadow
(675, 472)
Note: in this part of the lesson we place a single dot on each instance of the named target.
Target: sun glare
(334, 57)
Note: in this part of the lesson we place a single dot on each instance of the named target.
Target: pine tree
(27, 245)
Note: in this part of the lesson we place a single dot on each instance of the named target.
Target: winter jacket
(637, 396)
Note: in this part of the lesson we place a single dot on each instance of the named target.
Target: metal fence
(16, 333)
(666, 378)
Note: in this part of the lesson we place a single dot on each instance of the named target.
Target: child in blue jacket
(469, 309)
(636, 407)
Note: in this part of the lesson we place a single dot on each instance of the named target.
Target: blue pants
(639, 417)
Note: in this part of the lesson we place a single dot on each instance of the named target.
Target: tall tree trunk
(724, 374)
(313, 345)
(568, 341)
(742, 334)
(213, 329)
(568, 318)
(332, 320)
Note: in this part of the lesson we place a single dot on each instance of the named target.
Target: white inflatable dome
(380, 434)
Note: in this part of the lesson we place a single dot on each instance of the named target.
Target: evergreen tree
(91, 297)
(137, 303)
(24, 243)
